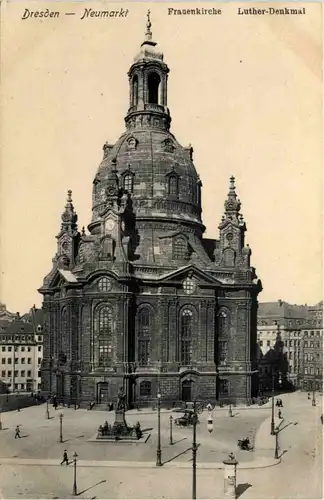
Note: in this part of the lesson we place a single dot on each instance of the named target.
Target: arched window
(180, 248)
(144, 335)
(153, 83)
(128, 183)
(173, 185)
(186, 336)
(64, 337)
(135, 91)
(103, 329)
(145, 389)
(223, 333)
(306, 343)
(198, 193)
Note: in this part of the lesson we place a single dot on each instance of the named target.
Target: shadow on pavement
(176, 456)
(90, 487)
(179, 440)
(241, 488)
(283, 452)
(148, 429)
(285, 426)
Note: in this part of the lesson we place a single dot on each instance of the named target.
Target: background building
(143, 301)
(21, 352)
(284, 331)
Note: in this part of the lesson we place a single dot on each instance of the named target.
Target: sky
(245, 91)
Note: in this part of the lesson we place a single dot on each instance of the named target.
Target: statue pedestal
(120, 417)
(120, 424)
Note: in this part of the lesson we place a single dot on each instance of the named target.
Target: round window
(189, 286)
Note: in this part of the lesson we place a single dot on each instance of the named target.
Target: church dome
(147, 162)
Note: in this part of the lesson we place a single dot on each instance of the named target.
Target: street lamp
(75, 490)
(61, 427)
(314, 399)
(158, 450)
(47, 411)
(194, 452)
(230, 412)
(272, 430)
(277, 443)
(171, 439)
(210, 422)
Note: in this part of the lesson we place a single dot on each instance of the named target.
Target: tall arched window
(103, 329)
(135, 90)
(128, 183)
(153, 83)
(172, 185)
(223, 332)
(64, 337)
(186, 325)
(144, 335)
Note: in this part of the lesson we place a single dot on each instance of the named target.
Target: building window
(153, 83)
(312, 333)
(311, 370)
(180, 248)
(128, 183)
(22, 361)
(135, 91)
(222, 352)
(189, 286)
(145, 389)
(311, 345)
(104, 285)
(3, 361)
(186, 336)
(3, 349)
(223, 386)
(39, 348)
(28, 349)
(29, 373)
(16, 361)
(306, 370)
(9, 373)
(3, 373)
(9, 349)
(16, 373)
(40, 338)
(22, 373)
(144, 335)
(103, 327)
(261, 343)
(29, 361)
(290, 355)
(9, 361)
(39, 374)
(268, 343)
(22, 349)
(173, 185)
(305, 343)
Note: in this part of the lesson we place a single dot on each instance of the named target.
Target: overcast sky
(245, 91)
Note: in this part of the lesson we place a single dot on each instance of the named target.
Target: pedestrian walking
(17, 434)
(65, 458)
(279, 414)
(322, 418)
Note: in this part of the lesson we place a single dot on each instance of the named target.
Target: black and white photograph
(161, 314)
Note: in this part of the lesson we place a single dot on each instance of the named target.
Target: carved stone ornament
(168, 145)
(132, 143)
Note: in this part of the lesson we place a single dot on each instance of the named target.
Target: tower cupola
(148, 78)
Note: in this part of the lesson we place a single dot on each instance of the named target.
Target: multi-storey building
(143, 300)
(312, 331)
(21, 352)
(289, 326)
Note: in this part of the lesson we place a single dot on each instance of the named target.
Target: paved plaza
(30, 466)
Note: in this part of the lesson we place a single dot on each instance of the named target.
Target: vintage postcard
(161, 316)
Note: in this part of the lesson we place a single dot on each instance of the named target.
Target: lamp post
(171, 439)
(314, 398)
(230, 412)
(47, 411)
(276, 455)
(272, 429)
(61, 427)
(75, 490)
(194, 452)
(158, 449)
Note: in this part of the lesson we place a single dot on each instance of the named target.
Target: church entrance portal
(102, 393)
(186, 390)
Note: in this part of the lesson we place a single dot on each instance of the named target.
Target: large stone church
(142, 300)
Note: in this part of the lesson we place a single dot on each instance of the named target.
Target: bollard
(230, 476)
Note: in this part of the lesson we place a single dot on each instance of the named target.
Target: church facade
(142, 300)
